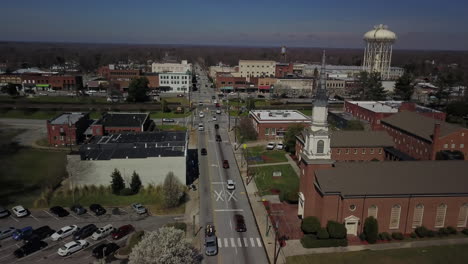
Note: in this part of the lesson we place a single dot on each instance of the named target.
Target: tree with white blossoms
(165, 246)
(173, 191)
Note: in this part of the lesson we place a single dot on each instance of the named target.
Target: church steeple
(319, 110)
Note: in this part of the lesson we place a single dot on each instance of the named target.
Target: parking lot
(37, 218)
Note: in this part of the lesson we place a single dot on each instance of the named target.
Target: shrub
(126, 192)
(443, 232)
(371, 229)
(290, 197)
(397, 236)
(362, 236)
(178, 225)
(452, 230)
(336, 230)
(385, 236)
(308, 242)
(413, 235)
(465, 231)
(421, 231)
(310, 225)
(323, 234)
(431, 233)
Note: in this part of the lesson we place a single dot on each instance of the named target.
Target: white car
(201, 127)
(102, 232)
(72, 247)
(138, 208)
(218, 111)
(19, 211)
(280, 146)
(64, 232)
(214, 118)
(230, 185)
(270, 146)
(201, 115)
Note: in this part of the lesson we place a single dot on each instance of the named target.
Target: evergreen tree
(403, 87)
(135, 183)
(371, 229)
(138, 89)
(289, 139)
(375, 88)
(117, 182)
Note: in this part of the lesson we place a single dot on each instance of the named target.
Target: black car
(39, 234)
(84, 232)
(213, 97)
(240, 223)
(216, 126)
(203, 152)
(218, 138)
(59, 211)
(104, 250)
(97, 209)
(78, 209)
(30, 248)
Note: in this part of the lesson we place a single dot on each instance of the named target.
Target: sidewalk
(256, 203)
(294, 247)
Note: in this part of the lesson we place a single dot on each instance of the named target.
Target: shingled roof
(117, 119)
(419, 125)
(394, 178)
(360, 139)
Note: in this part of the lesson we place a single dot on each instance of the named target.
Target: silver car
(7, 232)
(211, 245)
(4, 212)
(138, 208)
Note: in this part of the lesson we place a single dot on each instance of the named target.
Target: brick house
(67, 128)
(273, 124)
(118, 122)
(374, 111)
(422, 137)
(400, 195)
(283, 69)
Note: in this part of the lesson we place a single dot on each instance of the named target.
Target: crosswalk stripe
(233, 244)
(252, 242)
(220, 243)
(226, 244)
(259, 242)
(239, 243)
(245, 242)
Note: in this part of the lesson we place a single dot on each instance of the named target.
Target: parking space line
(14, 218)
(92, 215)
(75, 217)
(123, 210)
(35, 217)
(50, 215)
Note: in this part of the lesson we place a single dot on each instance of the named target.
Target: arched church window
(320, 146)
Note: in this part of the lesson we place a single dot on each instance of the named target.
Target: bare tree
(165, 246)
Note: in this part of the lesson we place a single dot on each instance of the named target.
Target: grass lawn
(427, 255)
(28, 114)
(27, 172)
(235, 113)
(160, 114)
(181, 100)
(268, 156)
(171, 127)
(307, 112)
(288, 182)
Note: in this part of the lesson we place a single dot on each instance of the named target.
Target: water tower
(378, 51)
(283, 54)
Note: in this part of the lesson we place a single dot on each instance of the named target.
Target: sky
(423, 25)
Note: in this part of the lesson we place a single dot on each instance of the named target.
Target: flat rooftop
(274, 116)
(389, 106)
(121, 119)
(67, 118)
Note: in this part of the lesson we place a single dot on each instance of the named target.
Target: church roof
(360, 139)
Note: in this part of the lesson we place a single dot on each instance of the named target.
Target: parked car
(216, 126)
(270, 146)
(260, 96)
(168, 120)
(122, 231)
(85, 232)
(97, 209)
(6, 232)
(214, 118)
(104, 250)
(180, 95)
(72, 247)
(22, 233)
(30, 248)
(64, 232)
(39, 234)
(218, 111)
(102, 232)
(19, 211)
(4, 212)
(78, 209)
(203, 152)
(226, 164)
(138, 208)
(240, 223)
(59, 211)
(218, 138)
(230, 185)
(280, 146)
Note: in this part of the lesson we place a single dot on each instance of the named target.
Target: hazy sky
(419, 24)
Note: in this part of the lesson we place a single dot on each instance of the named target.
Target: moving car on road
(84, 232)
(203, 152)
(104, 250)
(138, 208)
(30, 248)
(201, 115)
(226, 164)
(216, 126)
(230, 185)
(122, 231)
(201, 127)
(59, 211)
(19, 211)
(72, 247)
(240, 223)
(64, 232)
(214, 118)
(211, 241)
(102, 232)
(97, 209)
(218, 111)
(218, 138)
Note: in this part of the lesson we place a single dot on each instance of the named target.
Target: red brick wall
(223, 81)
(282, 70)
(363, 154)
(361, 113)
(153, 81)
(261, 128)
(67, 137)
(452, 142)
(98, 130)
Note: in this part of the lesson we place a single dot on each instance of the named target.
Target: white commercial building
(294, 86)
(174, 82)
(257, 68)
(183, 67)
(339, 71)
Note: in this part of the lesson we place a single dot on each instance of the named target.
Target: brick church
(400, 195)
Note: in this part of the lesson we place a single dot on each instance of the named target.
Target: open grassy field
(171, 127)
(266, 183)
(160, 114)
(267, 156)
(428, 255)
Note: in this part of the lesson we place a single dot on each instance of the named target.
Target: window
(418, 215)
(462, 145)
(372, 211)
(395, 217)
(352, 207)
(445, 145)
(371, 151)
(338, 151)
(363, 151)
(462, 215)
(347, 151)
(355, 151)
(380, 151)
(453, 145)
(320, 146)
(267, 131)
(440, 215)
(273, 131)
